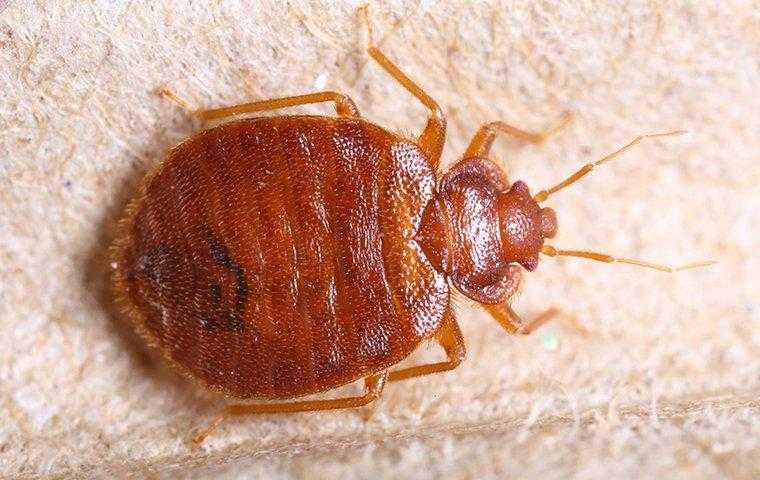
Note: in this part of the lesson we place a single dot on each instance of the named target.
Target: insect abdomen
(276, 255)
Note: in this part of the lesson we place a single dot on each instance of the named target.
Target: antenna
(603, 257)
(544, 194)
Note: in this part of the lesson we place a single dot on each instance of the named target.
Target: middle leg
(433, 137)
(450, 338)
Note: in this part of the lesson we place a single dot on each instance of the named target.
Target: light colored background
(660, 374)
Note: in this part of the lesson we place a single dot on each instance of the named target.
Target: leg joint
(344, 105)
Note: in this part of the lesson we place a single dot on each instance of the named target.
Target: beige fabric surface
(648, 375)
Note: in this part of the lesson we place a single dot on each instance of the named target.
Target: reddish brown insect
(272, 258)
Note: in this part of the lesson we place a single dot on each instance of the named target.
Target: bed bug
(272, 258)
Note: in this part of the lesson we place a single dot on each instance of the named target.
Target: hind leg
(344, 106)
(373, 386)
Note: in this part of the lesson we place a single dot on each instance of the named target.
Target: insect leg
(344, 106)
(481, 143)
(433, 137)
(450, 338)
(511, 321)
(373, 386)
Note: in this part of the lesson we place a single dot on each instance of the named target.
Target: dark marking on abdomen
(226, 319)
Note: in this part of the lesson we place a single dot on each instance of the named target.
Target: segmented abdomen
(274, 257)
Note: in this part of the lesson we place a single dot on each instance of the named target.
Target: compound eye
(530, 263)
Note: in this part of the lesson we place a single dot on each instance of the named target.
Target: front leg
(513, 323)
(480, 145)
